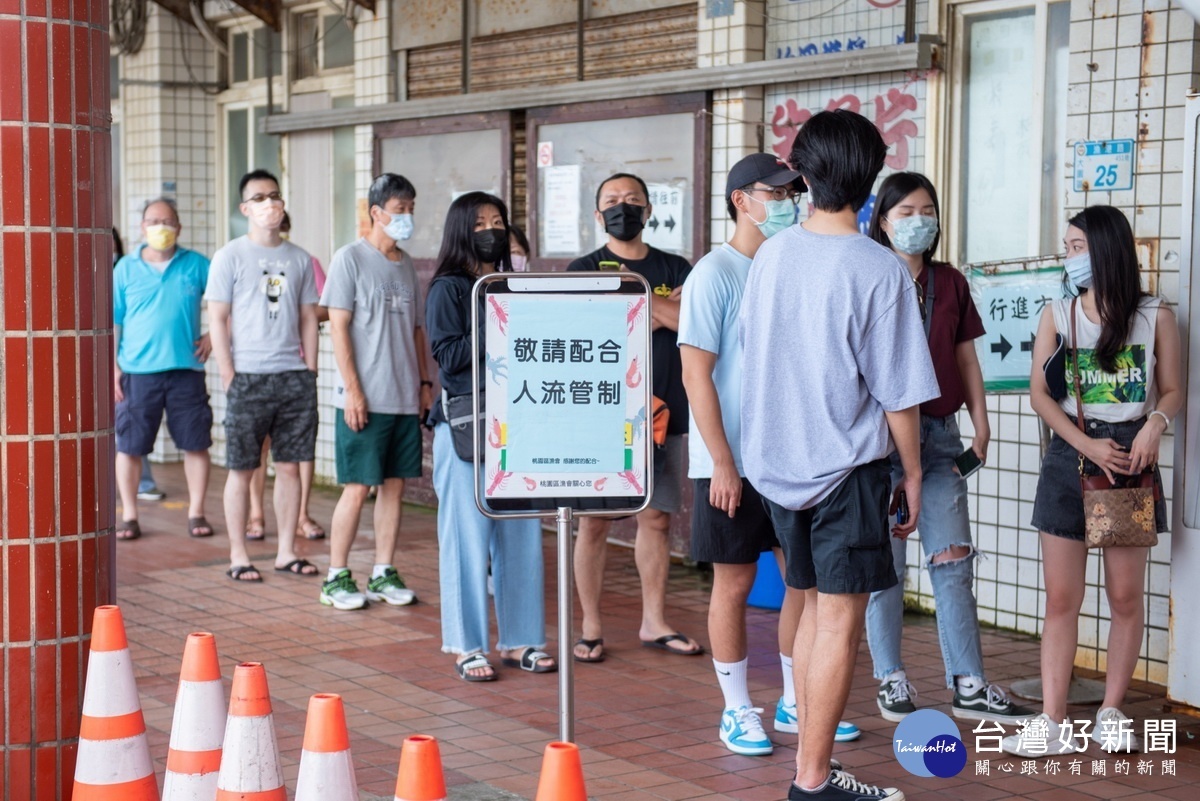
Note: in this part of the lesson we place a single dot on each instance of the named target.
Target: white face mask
(267, 214)
(1079, 270)
(400, 227)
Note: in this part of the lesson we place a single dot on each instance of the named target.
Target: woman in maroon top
(905, 220)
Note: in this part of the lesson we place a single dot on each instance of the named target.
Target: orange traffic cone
(326, 770)
(562, 774)
(250, 757)
(194, 757)
(113, 762)
(421, 777)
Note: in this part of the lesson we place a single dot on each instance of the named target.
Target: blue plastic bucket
(768, 588)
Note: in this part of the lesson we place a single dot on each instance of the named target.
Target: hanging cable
(128, 25)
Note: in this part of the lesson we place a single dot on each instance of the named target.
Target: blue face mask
(913, 235)
(400, 227)
(1079, 270)
(780, 215)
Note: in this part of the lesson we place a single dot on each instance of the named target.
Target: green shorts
(389, 446)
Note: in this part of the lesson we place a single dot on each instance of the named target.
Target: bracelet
(430, 384)
(1163, 415)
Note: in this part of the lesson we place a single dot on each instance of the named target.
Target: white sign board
(1011, 305)
(664, 229)
(560, 217)
(1104, 166)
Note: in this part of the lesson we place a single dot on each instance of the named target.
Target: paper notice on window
(561, 210)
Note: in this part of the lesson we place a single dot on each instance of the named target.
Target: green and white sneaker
(894, 699)
(390, 589)
(342, 593)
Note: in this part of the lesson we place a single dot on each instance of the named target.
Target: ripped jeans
(944, 521)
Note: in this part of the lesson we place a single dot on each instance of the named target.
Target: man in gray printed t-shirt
(262, 307)
(377, 318)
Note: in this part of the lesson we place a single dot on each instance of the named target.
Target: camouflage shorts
(282, 406)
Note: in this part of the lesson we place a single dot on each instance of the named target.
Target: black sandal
(128, 530)
(475, 661)
(238, 571)
(592, 645)
(529, 659)
(296, 568)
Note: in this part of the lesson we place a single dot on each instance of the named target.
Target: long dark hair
(1116, 278)
(894, 189)
(457, 256)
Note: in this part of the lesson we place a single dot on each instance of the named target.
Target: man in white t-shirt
(730, 525)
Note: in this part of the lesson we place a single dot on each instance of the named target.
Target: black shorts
(282, 406)
(182, 394)
(725, 540)
(842, 545)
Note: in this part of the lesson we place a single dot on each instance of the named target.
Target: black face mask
(490, 244)
(624, 221)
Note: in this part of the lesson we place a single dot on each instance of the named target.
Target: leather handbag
(460, 412)
(1120, 514)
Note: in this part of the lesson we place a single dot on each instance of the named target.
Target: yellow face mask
(160, 237)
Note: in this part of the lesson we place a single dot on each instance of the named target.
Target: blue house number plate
(1105, 166)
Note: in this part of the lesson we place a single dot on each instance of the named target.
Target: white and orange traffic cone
(250, 756)
(113, 762)
(194, 757)
(326, 770)
(562, 774)
(421, 777)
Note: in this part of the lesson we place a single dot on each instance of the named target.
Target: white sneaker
(742, 732)
(390, 589)
(1114, 732)
(342, 593)
(1042, 737)
(895, 699)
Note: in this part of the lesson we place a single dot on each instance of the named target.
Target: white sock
(895, 675)
(379, 571)
(789, 680)
(333, 573)
(732, 678)
(968, 685)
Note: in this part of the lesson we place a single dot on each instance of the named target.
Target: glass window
(237, 159)
(240, 54)
(337, 42)
(267, 43)
(266, 146)
(306, 45)
(114, 77)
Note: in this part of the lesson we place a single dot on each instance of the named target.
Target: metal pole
(566, 615)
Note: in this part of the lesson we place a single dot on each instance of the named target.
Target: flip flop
(238, 571)
(256, 529)
(661, 644)
(128, 530)
(311, 530)
(529, 659)
(592, 645)
(201, 524)
(474, 662)
(296, 568)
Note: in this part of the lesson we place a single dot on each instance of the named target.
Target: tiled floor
(647, 721)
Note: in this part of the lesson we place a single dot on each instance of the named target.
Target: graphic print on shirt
(1126, 385)
(273, 286)
(396, 295)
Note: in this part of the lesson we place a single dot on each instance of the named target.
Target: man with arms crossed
(262, 306)
(377, 317)
(835, 366)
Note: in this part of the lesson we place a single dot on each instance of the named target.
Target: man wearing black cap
(623, 207)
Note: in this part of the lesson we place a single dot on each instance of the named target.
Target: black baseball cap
(764, 168)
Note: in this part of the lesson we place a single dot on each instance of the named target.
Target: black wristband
(427, 383)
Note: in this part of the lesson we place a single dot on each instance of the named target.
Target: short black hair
(894, 189)
(616, 176)
(840, 154)
(457, 255)
(519, 235)
(256, 175)
(729, 200)
(388, 187)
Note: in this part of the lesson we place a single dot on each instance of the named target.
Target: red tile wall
(56, 504)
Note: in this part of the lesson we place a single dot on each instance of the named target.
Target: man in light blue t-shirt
(730, 525)
(159, 366)
(835, 367)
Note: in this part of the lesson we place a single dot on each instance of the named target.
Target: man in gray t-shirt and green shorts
(376, 314)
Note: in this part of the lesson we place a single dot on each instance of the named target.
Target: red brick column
(56, 445)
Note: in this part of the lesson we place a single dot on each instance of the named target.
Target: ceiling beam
(180, 8)
(269, 11)
(369, 5)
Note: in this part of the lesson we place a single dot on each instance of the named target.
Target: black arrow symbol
(653, 224)
(1027, 346)
(669, 224)
(1002, 347)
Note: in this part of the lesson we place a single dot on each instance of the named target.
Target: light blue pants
(944, 521)
(466, 541)
(146, 482)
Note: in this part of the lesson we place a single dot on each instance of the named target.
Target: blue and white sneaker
(742, 732)
(785, 721)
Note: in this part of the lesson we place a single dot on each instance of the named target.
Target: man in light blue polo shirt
(159, 366)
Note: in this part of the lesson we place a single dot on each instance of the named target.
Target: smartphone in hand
(967, 463)
(902, 509)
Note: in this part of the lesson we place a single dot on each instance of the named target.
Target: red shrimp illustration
(631, 480)
(498, 477)
(530, 484)
(599, 485)
(634, 316)
(499, 313)
(633, 376)
(494, 436)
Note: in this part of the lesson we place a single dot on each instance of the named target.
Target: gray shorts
(669, 470)
(282, 406)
